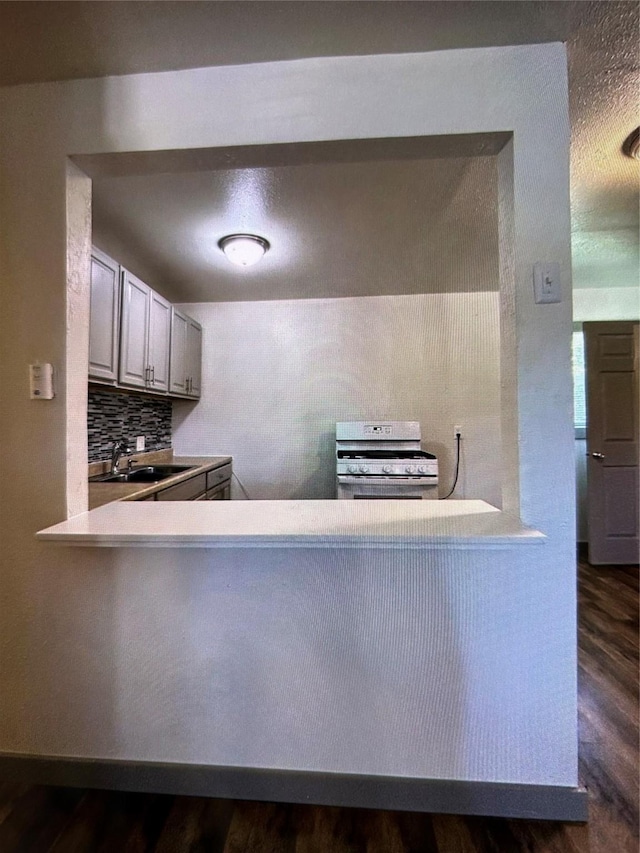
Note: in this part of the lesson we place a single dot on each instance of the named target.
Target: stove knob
(422, 469)
(387, 469)
(352, 469)
(364, 469)
(409, 469)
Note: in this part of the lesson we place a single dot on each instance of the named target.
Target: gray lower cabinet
(214, 485)
(219, 484)
(217, 476)
(187, 490)
(104, 324)
(220, 493)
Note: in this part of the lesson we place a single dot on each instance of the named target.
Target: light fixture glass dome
(243, 250)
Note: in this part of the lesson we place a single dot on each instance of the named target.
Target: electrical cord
(455, 479)
(244, 491)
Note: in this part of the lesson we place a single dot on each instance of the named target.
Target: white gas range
(383, 459)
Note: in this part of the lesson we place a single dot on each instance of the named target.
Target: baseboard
(436, 796)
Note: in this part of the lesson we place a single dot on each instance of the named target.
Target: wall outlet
(457, 430)
(139, 443)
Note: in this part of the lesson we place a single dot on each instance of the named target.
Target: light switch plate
(41, 382)
(546, 282)
(139, 443)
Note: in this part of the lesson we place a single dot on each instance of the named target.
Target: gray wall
(278, 375)
(98, 649)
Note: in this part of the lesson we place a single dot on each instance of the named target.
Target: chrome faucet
(119, 447)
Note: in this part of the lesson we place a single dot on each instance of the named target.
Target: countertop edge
(209, 542)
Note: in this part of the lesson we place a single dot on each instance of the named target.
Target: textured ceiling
(63, 40)
(58, 40)
(378, 227)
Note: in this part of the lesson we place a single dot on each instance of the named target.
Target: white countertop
(294, 524)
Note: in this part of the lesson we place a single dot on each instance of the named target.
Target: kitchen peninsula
(328, 641)
(295, 524)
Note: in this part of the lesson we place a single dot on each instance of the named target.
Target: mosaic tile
(112, 416)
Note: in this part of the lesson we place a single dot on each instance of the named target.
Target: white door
(134, 341)
(178, 363)
(104, 327)
(194, 357)
(612, 441)
(159, 341)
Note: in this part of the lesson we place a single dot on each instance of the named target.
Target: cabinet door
(178, 364)
(104, 328)
(159, 338)
(194, 357)
(221, 493)
(134, 339)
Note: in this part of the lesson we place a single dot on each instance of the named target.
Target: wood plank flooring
(37, 819)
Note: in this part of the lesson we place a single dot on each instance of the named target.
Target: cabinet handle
(153, 375)
(146, 375)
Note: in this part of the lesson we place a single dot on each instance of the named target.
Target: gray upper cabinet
(137, 338)
(159, 339)
(134, 338)
(145, 336)
(186, 355)
(194, 357)
(178, 370)
(104, 328)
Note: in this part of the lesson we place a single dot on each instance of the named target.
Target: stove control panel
(384, 468)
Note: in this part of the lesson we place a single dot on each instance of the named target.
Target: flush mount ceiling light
(631, 145)
(243, 250)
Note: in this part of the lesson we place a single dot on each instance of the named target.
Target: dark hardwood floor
(36, 819)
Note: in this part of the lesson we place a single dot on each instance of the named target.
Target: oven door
(386, 488)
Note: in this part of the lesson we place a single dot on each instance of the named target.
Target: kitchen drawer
(218, 475)
(189, 490)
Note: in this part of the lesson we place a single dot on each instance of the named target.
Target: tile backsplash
(112, 415)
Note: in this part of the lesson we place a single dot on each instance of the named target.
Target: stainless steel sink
(142, 474)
